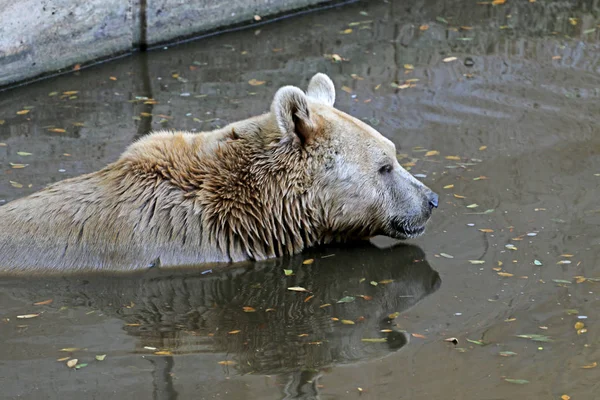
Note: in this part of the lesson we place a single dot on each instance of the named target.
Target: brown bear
(301, 175)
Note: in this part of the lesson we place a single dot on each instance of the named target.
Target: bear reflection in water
(280, 331)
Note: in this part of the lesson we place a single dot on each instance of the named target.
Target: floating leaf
(386, 281)
(517, 381)
(100, 357)
(455, 158)
(423, 27)
(442, 20)
(235, 332)
(347, 89)
(347, 299)
(57, 130)
(227, 362)
(346, 31)
(297, 289)
(418, 335)
(589, 366)
(535, 337)
(561, 281)
(70, 349)
(561, 262)
(572, 312)
(506, 274)
(477, 261)
(537, 262)
(374, 340)
(23, 153)
(449, 59)
(255, 82)
(458, 196)
(373, 283)
(249, 309)
(486, 230)
(163, 353)
(477, 342)
(474, 205)
(23, 112)
(347, 322)
(28, 316)
(432, 153)
(448, 186)
(82, 365)
(445, 255)
(507, 353)
(511, 246)
(309, 261)
(308, 298)
(288, 272)
(43, 303)
(72, 362)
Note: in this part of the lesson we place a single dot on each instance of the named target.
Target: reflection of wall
(40, 37)
(191, 312)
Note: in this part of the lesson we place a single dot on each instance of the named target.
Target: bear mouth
(401, 229)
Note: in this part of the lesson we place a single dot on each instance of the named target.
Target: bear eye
(386, 169)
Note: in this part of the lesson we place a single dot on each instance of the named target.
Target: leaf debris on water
(535, 337)
(347, 299)
(449, 59)
(100, 357)
(72, 363)
(28, 316)
(297, 289)
(507, 353)
(309, 261)
(517, 381)
(589, 366)
(288, 272)
(255, 82)
(477, 342)
(445, 255)
(477, 261)
(374, 340)
(227, 362)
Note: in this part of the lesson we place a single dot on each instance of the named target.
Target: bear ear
(321, 89)
(290, 107)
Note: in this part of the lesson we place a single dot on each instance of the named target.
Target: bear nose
(433, 199)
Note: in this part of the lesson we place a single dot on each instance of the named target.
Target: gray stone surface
(38, 37)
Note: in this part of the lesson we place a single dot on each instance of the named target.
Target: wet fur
(259, 188)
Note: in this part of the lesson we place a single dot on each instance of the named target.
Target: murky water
(513, 250)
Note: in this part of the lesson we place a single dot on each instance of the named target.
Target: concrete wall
(41, 36)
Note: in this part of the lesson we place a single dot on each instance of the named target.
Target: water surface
(515, 119)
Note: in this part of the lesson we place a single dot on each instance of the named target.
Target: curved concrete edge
(40, 37)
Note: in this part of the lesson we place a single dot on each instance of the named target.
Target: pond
(496, 107)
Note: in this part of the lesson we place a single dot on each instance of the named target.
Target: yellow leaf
(564, 396)
(505, 274)
(347, 322)
(346, 89)
(589, 366)
(113, 78)
(22, 112)
(63, 359)
(454, 158)
(297, 289)
(255, 82)
(448, 186)
(498, 2)
(346, 31)
(72, 363)
(409, 66)
(71, 92)
(43, 303)
(449, 59)
(57, 130)
(249, 309)
(482, 148)
(28, 316)
(386, 281)
(228, 362)
(418, 335)
(163, 353)
(424, 27)
(486, 230)
(432, 153)
(234, 332)
(70, 349)
(309, 261)
(458, 196)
